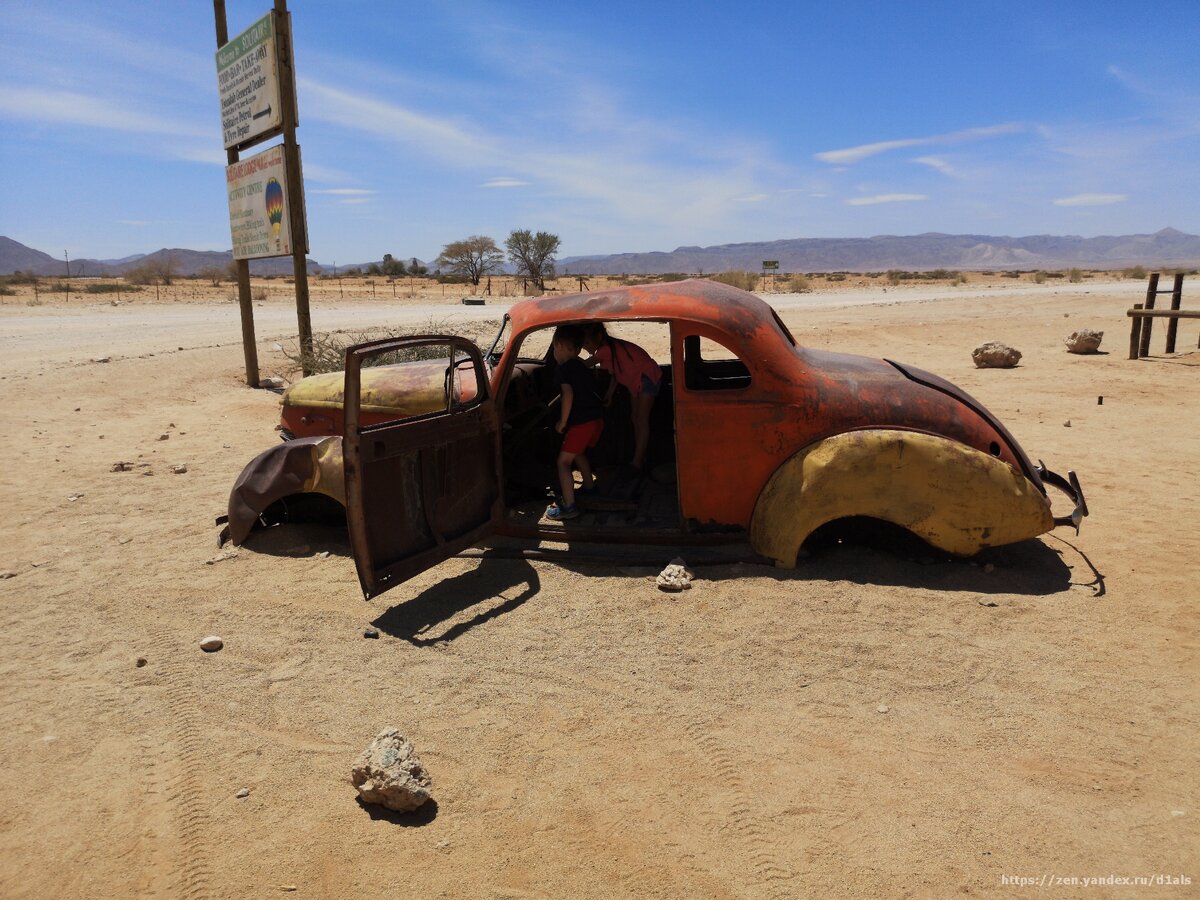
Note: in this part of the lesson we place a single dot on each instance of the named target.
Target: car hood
(404, 389)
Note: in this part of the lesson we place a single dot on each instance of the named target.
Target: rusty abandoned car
(753, 438)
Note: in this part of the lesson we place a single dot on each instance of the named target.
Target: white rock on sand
(995, 355)
(389, 773)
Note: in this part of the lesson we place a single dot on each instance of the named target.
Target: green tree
(415, 267)
(533, 254)
(471, 257)
(392, 267)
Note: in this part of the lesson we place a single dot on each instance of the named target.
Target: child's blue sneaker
(557, 512)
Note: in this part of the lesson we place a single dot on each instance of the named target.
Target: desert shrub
(1138, 272)
(6, 291)
(672, 276)
(34, 301)
(1013, 274)
(747, 281)
(836, 276)
(329, 348)
(1075, 276)
(1039, 277)
(111, 287)
(1056, 274)
(259, 294)
(60, 287)
(941, 275)
(799, 284)
(19, 278)
(959, 279)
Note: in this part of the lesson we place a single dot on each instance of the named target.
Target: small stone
(287, 887)
(1085, 340)
(372, 633)
(995, 355)
(324, 554)
(389, 773)
(211, 644)
(164, 437)
(989, 568)
(231, 553)
(271, 384)
(179, 469)
(991, 603)
(124, 540)
(102, 359)
(121, 466)
(675, 577)
(243, 793)
(141, 661)
(6, 574)
(73, 497)
(1067, 424)
(883, 707)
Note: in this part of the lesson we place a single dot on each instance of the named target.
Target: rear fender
(310, 465)
(953, 496)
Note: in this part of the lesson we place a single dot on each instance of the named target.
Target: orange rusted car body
(765, 434)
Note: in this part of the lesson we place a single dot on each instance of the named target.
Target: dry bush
(259, 294)
(6, 291)
(799, 284)
(1039, 277)
(1075, 276)
(1137, 272)
(747, 281)
(329, 348)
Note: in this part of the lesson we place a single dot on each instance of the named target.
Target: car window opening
(711, 366)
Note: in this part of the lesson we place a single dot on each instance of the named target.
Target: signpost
(258, 198)
(256, 78)
(248, 77)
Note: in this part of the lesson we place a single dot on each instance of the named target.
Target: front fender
(953, 496)
(311, 465)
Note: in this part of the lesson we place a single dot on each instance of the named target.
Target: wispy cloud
(1091, 200)
(937, 164)
(504, 183)
(71, 108)
(885, 198)
(849, 155)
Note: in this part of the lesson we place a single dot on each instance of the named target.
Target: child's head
(567, 342)
(594, 336)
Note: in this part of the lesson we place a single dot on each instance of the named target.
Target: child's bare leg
(585, 470)
(642, 404)
(566, 481)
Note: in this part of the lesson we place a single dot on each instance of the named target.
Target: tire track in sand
(184, 786)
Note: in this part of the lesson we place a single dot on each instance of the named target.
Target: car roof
(697, 300)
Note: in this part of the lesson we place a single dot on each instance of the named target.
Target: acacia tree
(533, 254)
(473, 257)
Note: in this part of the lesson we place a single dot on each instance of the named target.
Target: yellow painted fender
(953, 496)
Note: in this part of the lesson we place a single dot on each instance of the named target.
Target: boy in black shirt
(580, 421)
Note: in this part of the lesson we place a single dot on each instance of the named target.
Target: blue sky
(620, 126)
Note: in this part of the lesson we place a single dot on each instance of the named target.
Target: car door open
(423, 488)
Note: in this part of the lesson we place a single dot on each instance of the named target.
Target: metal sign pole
(241, 266)
(291, 155)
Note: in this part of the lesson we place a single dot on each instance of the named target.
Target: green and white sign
(248, 78)
(258, 205)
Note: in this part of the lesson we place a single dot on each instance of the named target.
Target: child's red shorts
(583, 436)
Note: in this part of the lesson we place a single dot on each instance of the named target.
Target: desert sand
(869, 724)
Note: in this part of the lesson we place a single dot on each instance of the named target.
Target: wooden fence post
(1135, 334)
(1176, 300)
(1148, 322)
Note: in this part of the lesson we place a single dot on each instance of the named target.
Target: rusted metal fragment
(955, 497)
(303, 466)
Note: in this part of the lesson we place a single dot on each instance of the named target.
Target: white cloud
(1091, 200)
(850, 155)
(885, 198)
(504, 183)
(937, 164)
(70, 108)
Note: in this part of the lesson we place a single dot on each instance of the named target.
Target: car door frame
(464, 437)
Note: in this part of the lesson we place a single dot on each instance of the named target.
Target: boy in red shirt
(580, 420)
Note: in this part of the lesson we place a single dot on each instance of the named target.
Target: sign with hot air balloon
(248, 78)
(258, 205)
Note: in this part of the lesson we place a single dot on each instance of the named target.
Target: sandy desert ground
(587, 735)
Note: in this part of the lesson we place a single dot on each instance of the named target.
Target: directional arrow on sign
(262, 112)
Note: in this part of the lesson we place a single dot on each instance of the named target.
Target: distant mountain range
(1165, 248)
(921, 251)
